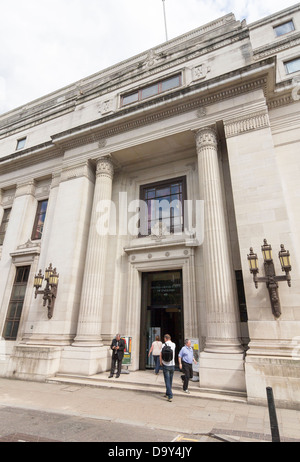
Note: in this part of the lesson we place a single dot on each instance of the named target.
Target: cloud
(49, 44)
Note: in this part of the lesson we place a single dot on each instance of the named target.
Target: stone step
(148, 384)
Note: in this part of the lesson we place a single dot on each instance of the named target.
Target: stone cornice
(26, 252)
(276, 16)
(172, 53)
(33, 155)
(277, 47)
(135, 117)
(192, 98)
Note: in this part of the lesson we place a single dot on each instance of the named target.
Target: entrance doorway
(162, 312)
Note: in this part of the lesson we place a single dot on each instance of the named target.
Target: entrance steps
(148, 382)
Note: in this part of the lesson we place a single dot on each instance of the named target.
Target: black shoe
(117, 376)
(110, 376)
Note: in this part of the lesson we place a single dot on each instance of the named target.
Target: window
(284, 28)
(292, 66)
(16, 303)
(4, 225)
(21, 143)
(39, 220)
(152, 90)
(165, 205)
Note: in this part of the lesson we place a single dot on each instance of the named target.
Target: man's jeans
(168, 376)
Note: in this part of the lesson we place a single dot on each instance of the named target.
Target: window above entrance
(165, 205)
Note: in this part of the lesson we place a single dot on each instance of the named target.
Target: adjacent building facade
(145, 186)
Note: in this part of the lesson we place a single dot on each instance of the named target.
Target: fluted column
(1, 206)
(221, 304)
(91, 305)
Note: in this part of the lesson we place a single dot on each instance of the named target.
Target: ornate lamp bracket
(270, 278)
(49, 293)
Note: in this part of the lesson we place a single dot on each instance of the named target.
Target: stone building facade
(209, 119)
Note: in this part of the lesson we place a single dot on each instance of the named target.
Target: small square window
(292, 66)
(285, 28)
(21, 143)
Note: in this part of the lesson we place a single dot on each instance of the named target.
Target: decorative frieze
(25, 189)
(281, 101)
(77, 171)
(246, 124)
(56, 177)
(107, 107)
(43, 189)
(151, 60)
(7, 197)
(201, 72)
(102, 143)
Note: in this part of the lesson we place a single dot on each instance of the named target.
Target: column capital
(206, 137)
(105, 167)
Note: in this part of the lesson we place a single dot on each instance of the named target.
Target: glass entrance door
(162, 311)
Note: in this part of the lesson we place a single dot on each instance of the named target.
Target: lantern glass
(285, 259)
(267, 251)
(48, 272)
(53, 281)
(253, 261)
(38, 280)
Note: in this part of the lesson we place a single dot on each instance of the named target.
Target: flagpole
(165, 19)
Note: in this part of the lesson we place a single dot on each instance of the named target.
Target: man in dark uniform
(118, 347)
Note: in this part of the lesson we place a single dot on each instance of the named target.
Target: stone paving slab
(193, 416)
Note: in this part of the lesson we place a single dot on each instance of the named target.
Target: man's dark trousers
(117, 355)
(187, 369)
(116, 358)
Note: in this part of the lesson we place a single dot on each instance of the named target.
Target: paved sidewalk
(137, 399)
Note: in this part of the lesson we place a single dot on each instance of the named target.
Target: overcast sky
(48, 44)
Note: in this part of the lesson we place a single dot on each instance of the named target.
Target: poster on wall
(127, 352)
(196, 351)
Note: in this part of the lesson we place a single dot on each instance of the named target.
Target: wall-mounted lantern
(49, 293)
(270, 277)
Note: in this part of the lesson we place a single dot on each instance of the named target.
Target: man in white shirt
(168, 364)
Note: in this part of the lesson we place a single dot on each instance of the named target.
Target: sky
(46, 45)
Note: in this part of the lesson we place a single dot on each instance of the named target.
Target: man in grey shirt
(185, 359)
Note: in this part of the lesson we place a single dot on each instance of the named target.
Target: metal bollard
(273, 416)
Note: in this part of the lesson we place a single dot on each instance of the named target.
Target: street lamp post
(270, 277)
(49, 293)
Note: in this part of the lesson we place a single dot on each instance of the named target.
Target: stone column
(1, 206)
(90, 314)
(222, 342)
